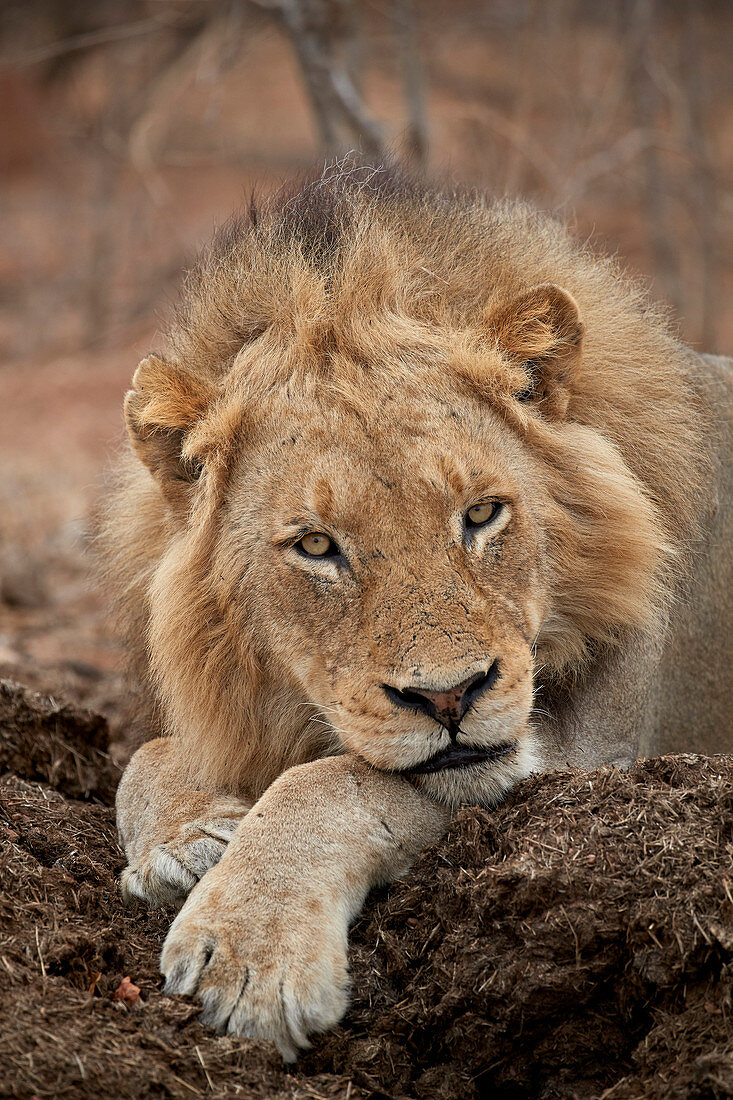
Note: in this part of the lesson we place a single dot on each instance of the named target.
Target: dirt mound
(58, 743)
(579, 935)
(574, 943)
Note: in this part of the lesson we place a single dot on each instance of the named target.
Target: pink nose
(445, 705)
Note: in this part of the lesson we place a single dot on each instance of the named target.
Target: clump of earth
(576, 942)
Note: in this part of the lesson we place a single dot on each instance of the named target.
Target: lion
(423, 497)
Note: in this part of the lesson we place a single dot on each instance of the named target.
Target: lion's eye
(317, 545)
(481, 514)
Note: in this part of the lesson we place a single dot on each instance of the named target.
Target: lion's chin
(482, 782)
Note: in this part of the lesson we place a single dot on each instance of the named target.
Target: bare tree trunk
(310, 25)
(354, 53)
(644, 99)
(408, 52)
(101, 262)
(703, 180)
(533, 14)
(314, 65)
(148, 129)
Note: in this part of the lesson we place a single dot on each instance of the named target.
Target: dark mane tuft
(316, 212)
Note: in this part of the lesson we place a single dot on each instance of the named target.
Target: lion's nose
(446, 705)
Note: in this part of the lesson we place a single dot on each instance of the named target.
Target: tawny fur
(373, 361)
(337, 297)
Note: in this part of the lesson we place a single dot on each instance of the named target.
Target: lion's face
(398, 565)
(384, 548)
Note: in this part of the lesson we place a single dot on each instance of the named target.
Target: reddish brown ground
(575, 943)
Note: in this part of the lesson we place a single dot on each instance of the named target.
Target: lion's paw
(261, 970)
(167, 873)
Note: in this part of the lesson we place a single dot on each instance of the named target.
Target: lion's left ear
(541, 331)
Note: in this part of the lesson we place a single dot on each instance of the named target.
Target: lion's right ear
(163, 405)
(541, 332)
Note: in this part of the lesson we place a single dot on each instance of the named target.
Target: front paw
(166, 874)
(263, 965)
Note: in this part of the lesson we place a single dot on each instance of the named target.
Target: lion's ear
(541, 331)
(163, 405)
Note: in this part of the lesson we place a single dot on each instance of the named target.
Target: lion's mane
(353, 264)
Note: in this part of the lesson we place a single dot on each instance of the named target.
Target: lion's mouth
(460, 756)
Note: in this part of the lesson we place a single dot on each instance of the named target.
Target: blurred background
(131, 127)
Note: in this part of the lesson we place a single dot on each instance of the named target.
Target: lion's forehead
(334, 462)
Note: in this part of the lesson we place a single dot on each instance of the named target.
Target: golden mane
(345, 288)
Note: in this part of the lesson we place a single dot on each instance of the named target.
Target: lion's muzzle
(447, 705)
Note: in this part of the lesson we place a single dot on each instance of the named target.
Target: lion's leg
(171, 832)
(262, 939)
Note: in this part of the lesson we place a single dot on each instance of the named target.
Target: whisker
(317, 706)
(330, 726)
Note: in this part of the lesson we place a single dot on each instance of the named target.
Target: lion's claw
(257, 975)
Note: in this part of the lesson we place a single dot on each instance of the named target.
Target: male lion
(428, 496)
